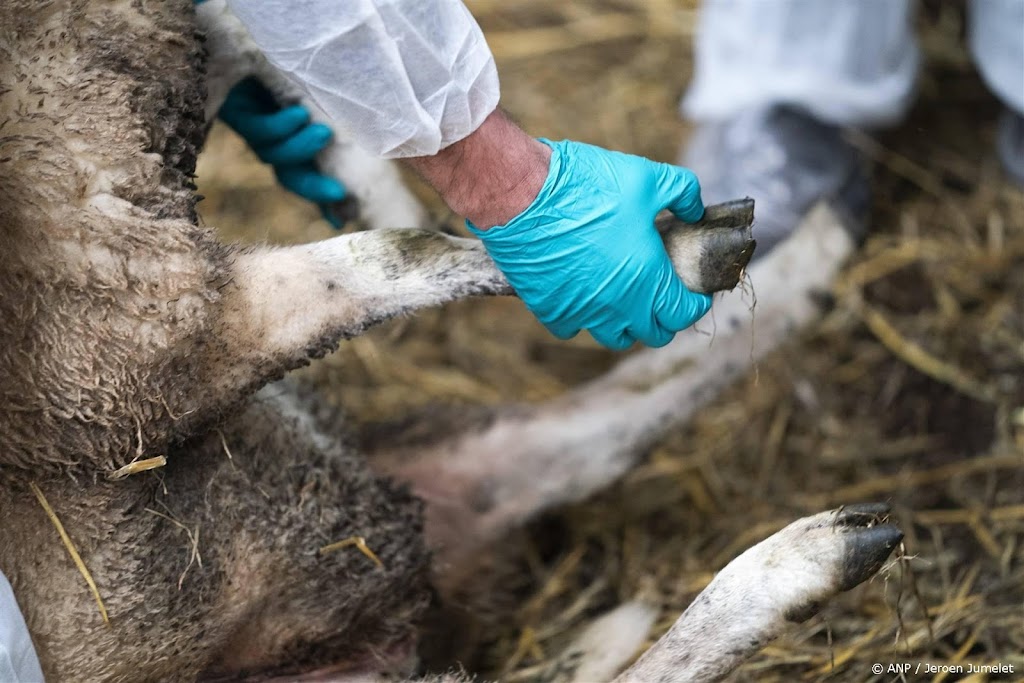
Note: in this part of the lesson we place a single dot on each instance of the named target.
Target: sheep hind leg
(783, 580)
(283, 306)
(294, 303)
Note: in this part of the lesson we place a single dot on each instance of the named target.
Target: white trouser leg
(18, 661)
(848, 62)
(996, 37)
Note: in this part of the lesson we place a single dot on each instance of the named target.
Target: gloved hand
(287, 140)
(586, 255)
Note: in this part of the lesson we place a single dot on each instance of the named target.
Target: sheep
(128, 331)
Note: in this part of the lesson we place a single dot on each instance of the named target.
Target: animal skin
(127, 331)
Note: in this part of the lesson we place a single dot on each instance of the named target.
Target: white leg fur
(384, 199)
(285, 301)
(778, 582)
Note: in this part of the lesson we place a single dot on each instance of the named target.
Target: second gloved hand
(285, 138)
(586, 255)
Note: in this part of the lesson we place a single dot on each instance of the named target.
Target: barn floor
(910, 389)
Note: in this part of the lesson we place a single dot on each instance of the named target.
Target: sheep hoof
(869, 541)
(712, 254)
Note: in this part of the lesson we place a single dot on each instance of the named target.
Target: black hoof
(866, 551)
(725, 254)
(724, 243)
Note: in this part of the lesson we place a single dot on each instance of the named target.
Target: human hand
(585, 253)
(572, 228)
(285, 138)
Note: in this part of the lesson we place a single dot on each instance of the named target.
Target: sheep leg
(383, 199)
(781, 581)
(296, 302)
(480, 483)
(286, 305)
(603, 647)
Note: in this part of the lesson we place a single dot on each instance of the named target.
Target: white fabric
(847, 62)
(18, 661)
(997, 42)
(851, 62)
(405, 77)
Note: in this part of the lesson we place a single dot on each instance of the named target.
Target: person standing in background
(776, 81)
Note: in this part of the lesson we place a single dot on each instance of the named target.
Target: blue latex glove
(586, 255)
(287, 140)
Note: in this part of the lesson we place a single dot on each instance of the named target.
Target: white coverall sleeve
(18, 661)
(403, 77)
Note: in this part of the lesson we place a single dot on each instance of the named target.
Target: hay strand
(359, 542)
(136, 466)
(75, 557)
(915, 355)
(193, 540)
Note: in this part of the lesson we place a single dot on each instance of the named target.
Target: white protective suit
(405, 77)
(18, 661)
(847, 62)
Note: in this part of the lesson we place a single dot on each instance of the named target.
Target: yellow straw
(71, 549)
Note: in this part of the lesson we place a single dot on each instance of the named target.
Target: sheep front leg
(284, 306)
(294, 303)
(781, 581)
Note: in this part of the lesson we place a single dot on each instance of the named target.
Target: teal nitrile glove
(285, 138)
(586, 255)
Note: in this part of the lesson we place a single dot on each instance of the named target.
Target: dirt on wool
(910, 389)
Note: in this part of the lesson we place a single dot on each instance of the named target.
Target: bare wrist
(492, 175)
